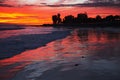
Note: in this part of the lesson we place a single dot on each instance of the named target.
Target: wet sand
(103, 65)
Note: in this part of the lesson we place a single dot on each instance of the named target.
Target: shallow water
(13, 42)
(26, 31)
(86, 54)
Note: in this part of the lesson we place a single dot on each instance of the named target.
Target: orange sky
(40, 15)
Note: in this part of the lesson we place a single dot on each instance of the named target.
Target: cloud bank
(59, 3)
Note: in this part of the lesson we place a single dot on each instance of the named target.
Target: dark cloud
(102, 3)
(5, 5)
(87, 5)
(61, 3)
(99, 4)
(43, 3)
(97, 1)
(1, 1)
(2, 4)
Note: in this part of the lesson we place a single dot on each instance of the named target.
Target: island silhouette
(82, 20)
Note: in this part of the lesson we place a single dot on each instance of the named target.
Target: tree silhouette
(116, 17)
(54, 19)
(58, 18)
(82, 18)
(98, 18)
(109, 18)
(68, 19)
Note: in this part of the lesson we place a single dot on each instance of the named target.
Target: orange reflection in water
(79, 43)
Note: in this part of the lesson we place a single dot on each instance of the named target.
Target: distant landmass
(82, 20)
(4, 26)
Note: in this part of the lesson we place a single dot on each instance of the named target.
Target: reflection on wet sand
(86, 47)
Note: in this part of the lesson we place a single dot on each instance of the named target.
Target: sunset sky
(40, 11)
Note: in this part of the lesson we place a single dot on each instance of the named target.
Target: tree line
(82, 18)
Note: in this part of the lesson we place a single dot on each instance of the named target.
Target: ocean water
(36, 53)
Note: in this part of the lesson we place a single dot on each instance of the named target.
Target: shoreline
(114, 24)
(26, 42)
(97, 25)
